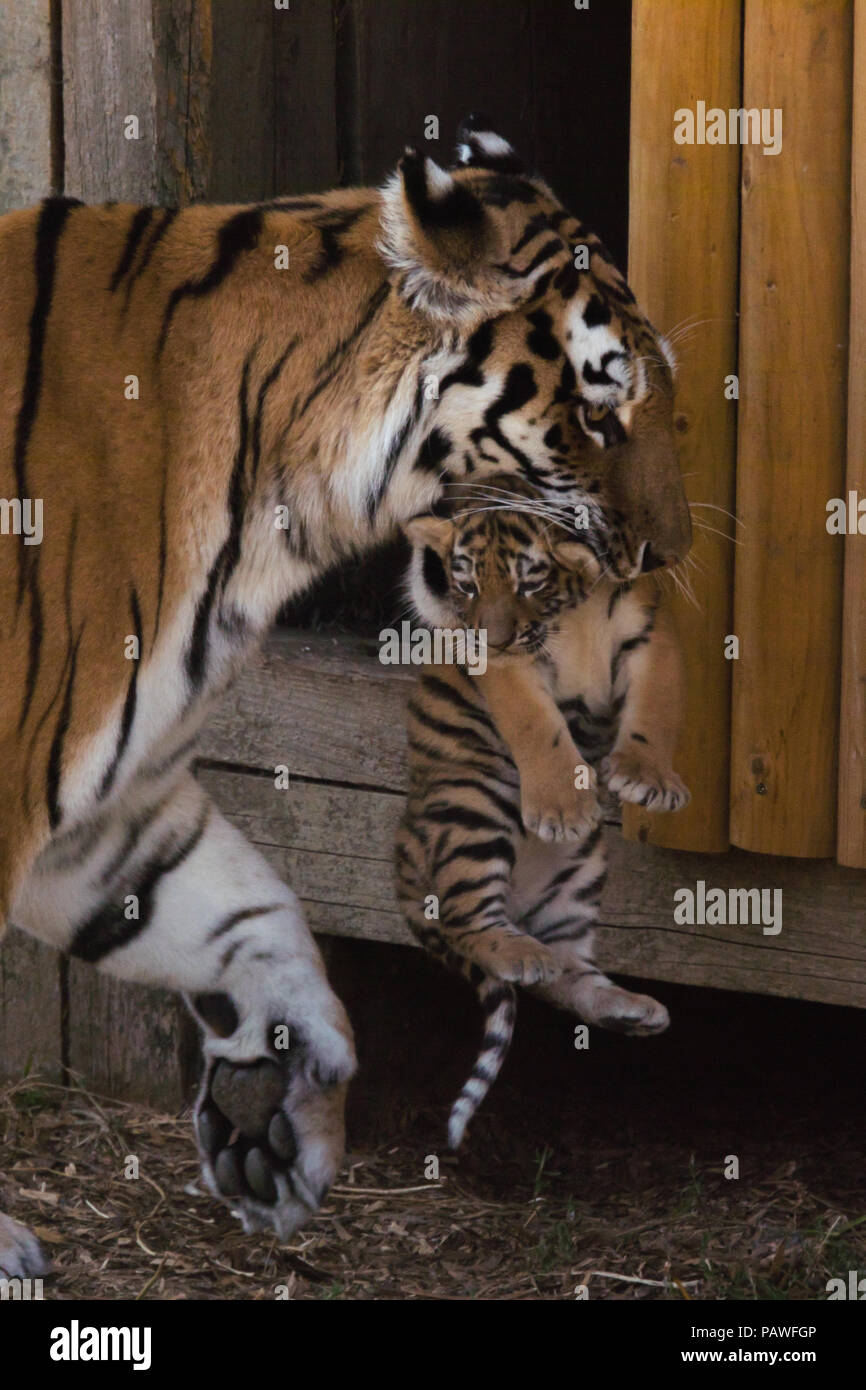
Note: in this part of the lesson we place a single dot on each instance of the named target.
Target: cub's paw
(21, 1255)
(271, 1135)
(638, 1015)
(520, 959)
(560, 811)
(633, 777)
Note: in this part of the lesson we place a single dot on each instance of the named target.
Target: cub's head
(499, 567)
(558, 376)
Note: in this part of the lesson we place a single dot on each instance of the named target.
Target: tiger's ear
(437, 532)
(479, 147)
(574, 555)
(448, 235)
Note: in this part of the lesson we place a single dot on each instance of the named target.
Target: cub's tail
(499, 1006)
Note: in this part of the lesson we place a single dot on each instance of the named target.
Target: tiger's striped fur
(214, 405)
(583, 673)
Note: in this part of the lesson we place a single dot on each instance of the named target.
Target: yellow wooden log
(683, 235)
(791, 442)
(852, 739)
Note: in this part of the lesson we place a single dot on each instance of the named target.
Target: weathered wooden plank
(323, 708)
(683, 247)
(851, 848)
(334, 844)
(107, 76)
(791, 440)
(30, 1007)
(127, 1040)
(151, 61)
(25, 103)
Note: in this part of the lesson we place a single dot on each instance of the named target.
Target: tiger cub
(502, 832)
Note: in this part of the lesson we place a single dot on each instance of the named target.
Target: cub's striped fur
(583, 676)
(212, 406)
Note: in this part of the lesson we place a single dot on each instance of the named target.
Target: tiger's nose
(651, 560)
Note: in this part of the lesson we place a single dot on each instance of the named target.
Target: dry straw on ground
(501, 1225)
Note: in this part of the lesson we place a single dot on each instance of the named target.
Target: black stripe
(128, 715)
(241, 233)
(508, 808)
(463, 816)
(498, 848)
(163, 555)
(241, 916)
(137, 229)
(55, 756)
(157, 235)
(135, 828)
(260, 405)
(49, 228)
(108, 929)
(196, 655)
(470, 885)
(35, 641)
(334, 360)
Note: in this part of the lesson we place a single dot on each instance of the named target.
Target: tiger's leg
(558, 889)
(168, 893)
(455, 852)
(640, 766)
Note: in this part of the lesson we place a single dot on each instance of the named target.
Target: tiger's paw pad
(635, 779)
(21, 1255)
(638, 1015)
(568, 818)
(270, 1139)
(519, 959)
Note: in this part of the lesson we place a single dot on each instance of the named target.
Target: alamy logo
(22, 517)
(715, 126)
(716, 907)
(77, 1343)
(21, 1290)
(439, 646)
(854, 1289)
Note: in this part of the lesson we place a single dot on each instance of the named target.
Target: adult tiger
(212, 406)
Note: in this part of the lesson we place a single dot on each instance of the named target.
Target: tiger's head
(560, 378)
(501, 568)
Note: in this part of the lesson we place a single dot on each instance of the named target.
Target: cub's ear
(479, 147)
(470, 243)
(574, 555)
(434, 531)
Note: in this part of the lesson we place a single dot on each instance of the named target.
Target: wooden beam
(851, 847)
(683, 234)
(335, 845)
(320, 703)
(791, 443)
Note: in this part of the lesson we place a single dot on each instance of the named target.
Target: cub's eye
(531, 586)
(464, 584)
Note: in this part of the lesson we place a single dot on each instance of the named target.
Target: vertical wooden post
(791, 446)
(25, 103)
(852, 741)
(683, 235)
(150, 61)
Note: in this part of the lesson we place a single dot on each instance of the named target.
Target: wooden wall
(760, 259)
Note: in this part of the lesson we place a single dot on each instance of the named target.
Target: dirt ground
(603, 1168)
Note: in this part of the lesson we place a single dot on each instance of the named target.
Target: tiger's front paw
(271, 1131)
(557, 810)
(634, 777)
